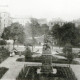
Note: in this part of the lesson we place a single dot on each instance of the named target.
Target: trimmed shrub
(28, 54)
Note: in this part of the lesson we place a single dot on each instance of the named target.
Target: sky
(64, 9)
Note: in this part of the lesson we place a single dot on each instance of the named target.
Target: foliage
(28, 54)
(2, 71)
(70, 33)
(4, 53)
(6, 33)
(67, 47)
(67, 50)
(56, 32)
(35, 27)
(67, 33)
(3, 42)
(15, 31)
(45, 28)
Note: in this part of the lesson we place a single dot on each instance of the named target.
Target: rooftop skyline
(67, 10)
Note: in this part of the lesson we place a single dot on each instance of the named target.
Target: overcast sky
(64, 9)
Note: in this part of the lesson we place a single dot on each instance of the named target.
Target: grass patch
(3, 70)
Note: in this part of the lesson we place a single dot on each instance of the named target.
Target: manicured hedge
(4, 53)
(3, 42)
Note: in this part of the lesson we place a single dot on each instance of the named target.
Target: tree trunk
(13, 44)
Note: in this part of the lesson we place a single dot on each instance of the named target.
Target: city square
(39, 40)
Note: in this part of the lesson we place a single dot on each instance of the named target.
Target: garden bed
(32, 74)
(4, 54)
(38, 59)
(3, 70)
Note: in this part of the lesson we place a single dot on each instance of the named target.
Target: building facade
(55, 21)
(5, 20)
(42, 21)
(20, 20)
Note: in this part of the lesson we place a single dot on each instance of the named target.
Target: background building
(42, 21)
(77, 22)
(22, 21)
(5, 20)
(55, 21)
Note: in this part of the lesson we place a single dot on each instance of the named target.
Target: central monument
(47, 67)
(46, 60)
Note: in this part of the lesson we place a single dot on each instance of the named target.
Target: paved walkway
(14, 67)
(76, 71)
(77, 59)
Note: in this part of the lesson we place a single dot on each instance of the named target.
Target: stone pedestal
(46, 63)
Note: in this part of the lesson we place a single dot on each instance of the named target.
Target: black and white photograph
(39, 39)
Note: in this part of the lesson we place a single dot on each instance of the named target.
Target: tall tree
(45, 28)
(67, 50)
(67, 33)
(15, 31)
(35, 29)
(70, 34)
(6, 33)
(56, 33)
